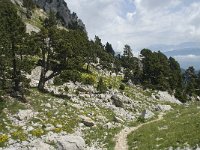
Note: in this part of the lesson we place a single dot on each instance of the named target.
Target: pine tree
(190, 81)
(12, 32)
(60, 50)
(109, 49)
(101, 87)
(127, 51)
(175, 78)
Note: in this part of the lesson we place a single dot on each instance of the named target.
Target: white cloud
(140, 23)
(188, 60)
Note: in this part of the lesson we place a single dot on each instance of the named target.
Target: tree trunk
(42, 80)
(16, 87)
(43, 72)
(88, 67)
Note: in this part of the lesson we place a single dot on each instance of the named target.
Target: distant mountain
(185, 51)
(164, 47)
(186, 57)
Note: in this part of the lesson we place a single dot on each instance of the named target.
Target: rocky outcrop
(30, 28)
(163, 107)
(62, 11)
(70, 143)
(165, 96)
(17, 2)
(147, 114)
(117, 101)
(62, 141)
(87, 121)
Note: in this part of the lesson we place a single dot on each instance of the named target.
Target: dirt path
(121, 138)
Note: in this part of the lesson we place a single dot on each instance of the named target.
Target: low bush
(57, 81)
(122, 87)
(101, 87)
(70, 75)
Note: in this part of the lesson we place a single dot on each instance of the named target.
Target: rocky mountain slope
(60, 8)
(70, 115)
(81, 119)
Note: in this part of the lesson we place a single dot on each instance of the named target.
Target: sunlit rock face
(62, 11)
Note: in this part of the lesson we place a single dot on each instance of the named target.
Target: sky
(141, 23)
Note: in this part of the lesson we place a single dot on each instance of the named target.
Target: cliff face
(62, 11)
(60, 8)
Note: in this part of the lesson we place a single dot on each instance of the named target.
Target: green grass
(101, 135)
(66, 116)
(177, 129)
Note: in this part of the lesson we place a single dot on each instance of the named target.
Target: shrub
(57, 130)
(70, 75)
(122, 87)
(66, 89)
(101, 87)
(89, 81)
(57, 81)
(141, 119)
(3, 139)
(37, 132)
(88, 78)
(180, 96)
(19, 135)
(110, 87)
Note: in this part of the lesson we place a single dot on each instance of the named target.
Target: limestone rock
(48, 105)
(30, 28)
(165, 96)
(87, 121)
(163, 107)
(61, 9)
(40, 145)
(117, 119)
(70, 143)
(25, 114)
(147, 114)
(117, 101)
(35, 76)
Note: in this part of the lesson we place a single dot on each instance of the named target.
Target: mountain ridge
(60, 8)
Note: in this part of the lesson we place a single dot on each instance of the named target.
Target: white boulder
(163, 107)
(70, 143)
(147, 114)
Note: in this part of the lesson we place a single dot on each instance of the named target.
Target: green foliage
(159, 72)
(190, 81)
(29, 5)
(66, 89)
(109, 49)
(61, 51)
(180, 95)
(37, 132)
(70, 75)
(127, 51)
(141, 119)
(3, 139)
(88, 79)
(101, 87)
(57, 81)
(12, 41)
(2, 104)
(122, 87)
(19, 135)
